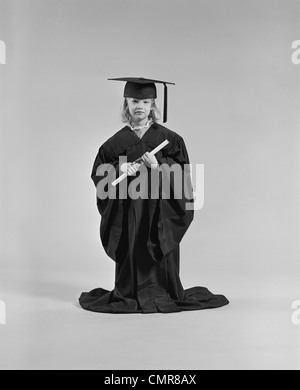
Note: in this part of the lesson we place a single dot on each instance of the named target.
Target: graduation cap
(141, 88)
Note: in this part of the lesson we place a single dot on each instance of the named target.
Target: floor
(46, 329)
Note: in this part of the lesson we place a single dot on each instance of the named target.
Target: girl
(142, 235)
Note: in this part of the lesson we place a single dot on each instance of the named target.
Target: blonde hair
(154, 113)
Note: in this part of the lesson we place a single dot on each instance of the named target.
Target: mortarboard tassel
(165, 103)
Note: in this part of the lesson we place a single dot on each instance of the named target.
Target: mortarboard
(141, 88)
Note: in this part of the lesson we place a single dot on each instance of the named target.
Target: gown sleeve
(174, 215)
(111, 209)
(105, 156)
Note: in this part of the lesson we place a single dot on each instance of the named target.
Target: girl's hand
(130, 168)
(149, 160)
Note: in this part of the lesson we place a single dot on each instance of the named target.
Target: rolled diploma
(154, 151)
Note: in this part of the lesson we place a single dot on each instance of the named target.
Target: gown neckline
(135, 135)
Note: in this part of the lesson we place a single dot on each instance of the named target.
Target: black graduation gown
(143, 235)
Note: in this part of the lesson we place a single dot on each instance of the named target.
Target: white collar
(137, 128)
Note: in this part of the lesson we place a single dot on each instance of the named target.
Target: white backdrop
(236, 104)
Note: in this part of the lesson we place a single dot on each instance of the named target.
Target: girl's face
(139, 109)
